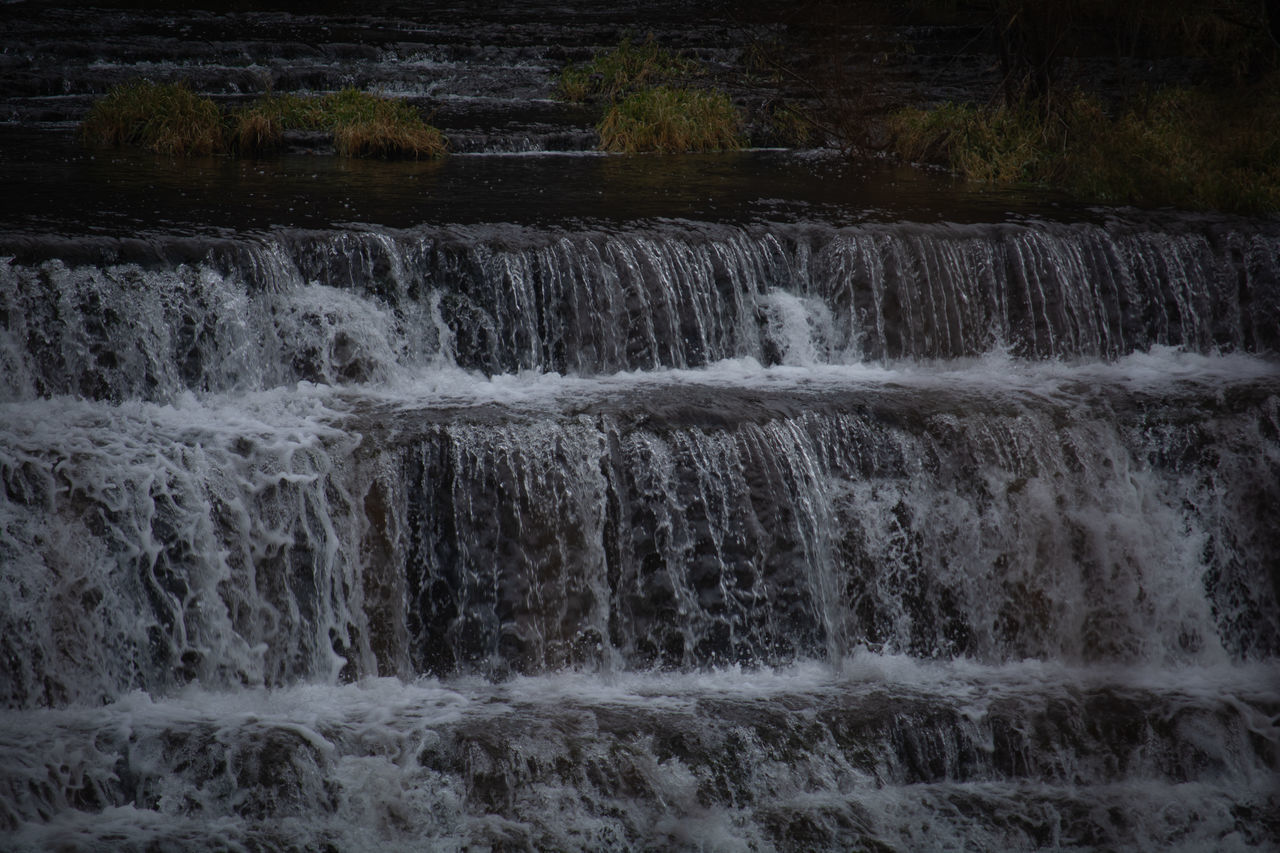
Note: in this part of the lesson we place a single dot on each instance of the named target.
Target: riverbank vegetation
(1210, 142)
(1184, 147)
(653, 100)
(170, 119)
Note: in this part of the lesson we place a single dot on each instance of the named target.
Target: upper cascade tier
(154, 318)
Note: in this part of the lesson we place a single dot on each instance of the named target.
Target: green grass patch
(655, 100)
(1192, 148)
(170, 119)
(165, 118)
(292, 112)
(995, 146)
(671, 120)
(627, 68)
(362, 124)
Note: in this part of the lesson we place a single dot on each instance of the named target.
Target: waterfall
(364, 306)
(539, 499)
(672, 534)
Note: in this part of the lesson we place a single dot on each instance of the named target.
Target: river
(541, 499)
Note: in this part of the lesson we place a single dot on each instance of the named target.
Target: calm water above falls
(561, 501)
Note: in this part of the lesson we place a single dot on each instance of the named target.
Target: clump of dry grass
(1180, 146)
(254, 132)
(260, 126)
(387, 137)
(165, 118)
(366, 125)
(671, 120)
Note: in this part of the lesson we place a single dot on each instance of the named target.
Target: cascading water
(514, 537)
(570, 502)
(365, 306)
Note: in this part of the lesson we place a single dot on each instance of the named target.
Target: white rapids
(692, 537)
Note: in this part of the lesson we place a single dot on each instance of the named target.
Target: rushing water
(570, 502)
(688, 535)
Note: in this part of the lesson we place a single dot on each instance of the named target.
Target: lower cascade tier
(874, 752)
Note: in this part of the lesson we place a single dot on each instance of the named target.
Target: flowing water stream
(565, 502)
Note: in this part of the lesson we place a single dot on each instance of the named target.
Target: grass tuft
(671, 120)
(1178, 146)
(260, 127)
(996, 146)
(657, 101)
(170, 119)
(625, 69)
(165, 118)
(362, 124)
(387, 136)
(253, 132)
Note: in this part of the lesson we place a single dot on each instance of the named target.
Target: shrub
(1186, 147)
(165, 118)
(1002, 145)
(671, 120)
(1190, 147)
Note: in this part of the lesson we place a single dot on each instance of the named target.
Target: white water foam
(366, 752)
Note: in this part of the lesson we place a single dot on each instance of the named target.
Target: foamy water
(743, 540)
(373, 754)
